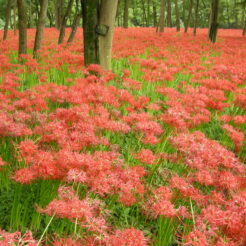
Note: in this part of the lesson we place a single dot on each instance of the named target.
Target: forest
(122, 122)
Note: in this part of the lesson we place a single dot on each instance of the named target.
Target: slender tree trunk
(64, 22)
(90, 13)
(162, 16)
(187, 22)
(30, 24)
(107, 18)
(228, 14)
(118, 13)
(144, 13)
(177, 16)
(196, 17)
(6, 26)
(59, 6)
(15, 7)
(125, 23)
(244, 26)
(74, 28)
(148, 13)
(50, 17)
(184, 9)
(235, 13)
(213, 24)
(154, 15)
(40, 27)
(169, 13)
(22, 27)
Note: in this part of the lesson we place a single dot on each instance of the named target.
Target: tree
(40, 26)
(187, 22)
(126, 14)
(162, 17)
(98, 27)
(196, 17)
(6, 26)
(154, 14)
(64, 22)
(169, 13)
(177, 16)
(22, 27)
(75, 24)
(59, 6)
(213, 22)
(15, 6)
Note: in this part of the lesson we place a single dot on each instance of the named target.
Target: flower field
(150, 153)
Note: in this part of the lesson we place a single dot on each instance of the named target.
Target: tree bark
(64, 22)
(126, 14)
(184, 8)
(30, 23)
(74, 27)
(244, 19)
(244, 28)
(148, 13)
(177, 16)
(98, 27)
(6, 26)
(228, 14)
(15, 7)
(187, 22)
(154, 15)
(50, 17)
(107, 17)
(169, 13)
(59, 8)
(144, 13)
(40, 27)
(196, 17)
(213, 24)
(162, 17)
(22, 27)
(90, 13)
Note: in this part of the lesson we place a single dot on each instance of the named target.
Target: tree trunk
(244, 18)
(228, 14)
(169, 13)
(59, 8)
(177, 16)
(64, 22)
(30, 24)
(187, 23)
(98, 27)
(74, 27)
(118, 13)
(235, 13)
(196, 17)
(40, 26)
(108, 10)
(6, 26)
(90, 13)
(22, 27)
(144, 13)
(15, 7)
(162, 16)
(213, 24)
(50, 17)
(125, 23)
(184, 10)
(244, 27)
(154, 15)
(148, 13)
